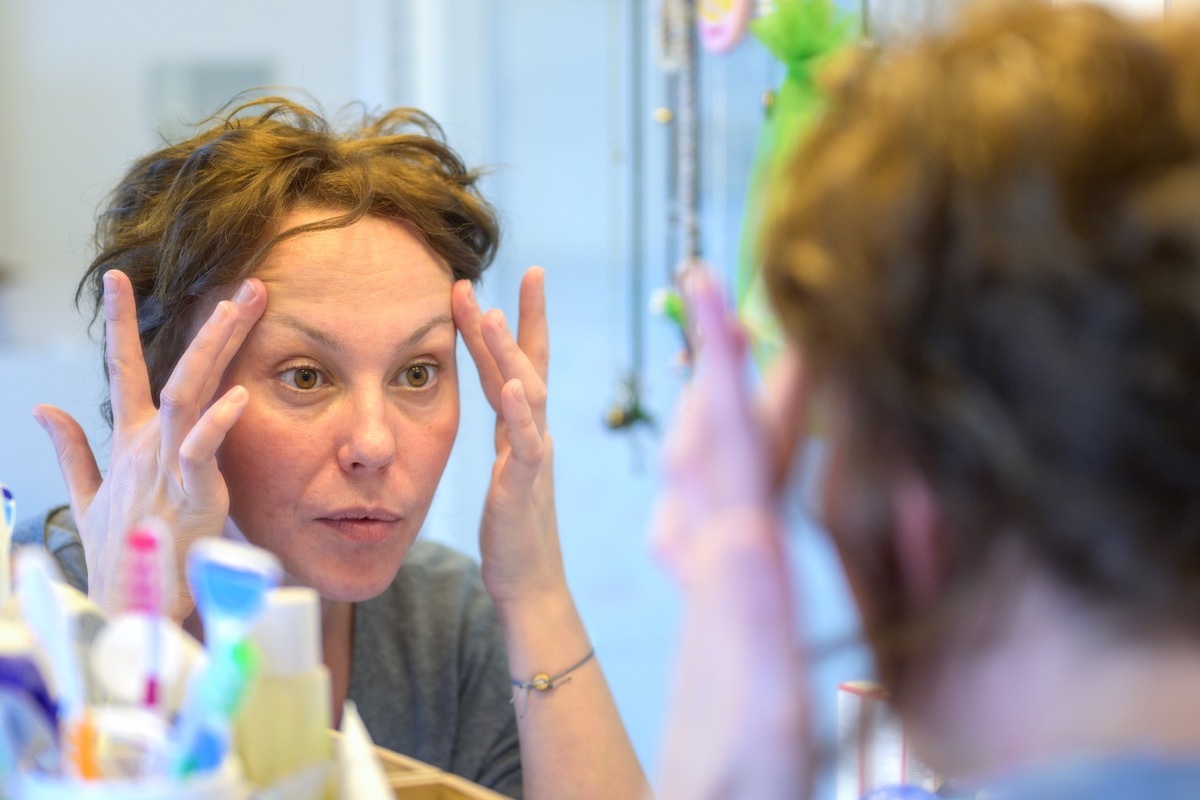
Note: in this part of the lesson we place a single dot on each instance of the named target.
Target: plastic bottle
(283, 727)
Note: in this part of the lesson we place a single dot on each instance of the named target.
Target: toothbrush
(54, 629)
(149, 580)
(229, 582)
(201, 737)
(7, 522)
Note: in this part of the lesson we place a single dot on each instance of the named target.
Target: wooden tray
(411, 779)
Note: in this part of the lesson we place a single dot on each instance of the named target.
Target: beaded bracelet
(544, 683)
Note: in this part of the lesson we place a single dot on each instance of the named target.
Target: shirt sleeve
(55, 530)
(491, 742)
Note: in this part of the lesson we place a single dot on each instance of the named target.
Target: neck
(1056, 682)
(337, 642)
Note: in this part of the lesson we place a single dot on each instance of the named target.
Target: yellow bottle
(283, 726)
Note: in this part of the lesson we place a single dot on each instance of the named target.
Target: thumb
(75, 459)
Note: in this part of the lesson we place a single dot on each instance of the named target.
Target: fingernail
(40, 419)
(245, 293)
(110, 286)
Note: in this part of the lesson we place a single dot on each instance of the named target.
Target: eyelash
(429, 366)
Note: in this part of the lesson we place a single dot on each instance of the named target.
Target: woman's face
(353, 403)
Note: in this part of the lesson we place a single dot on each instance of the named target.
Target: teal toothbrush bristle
(231, 673)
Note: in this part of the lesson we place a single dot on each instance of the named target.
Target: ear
(920, 550)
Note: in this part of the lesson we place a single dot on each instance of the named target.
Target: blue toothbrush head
(229, 581)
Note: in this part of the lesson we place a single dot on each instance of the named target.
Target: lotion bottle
(283, 726)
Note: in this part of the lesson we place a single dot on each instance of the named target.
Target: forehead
(369, 261)
(365, 243)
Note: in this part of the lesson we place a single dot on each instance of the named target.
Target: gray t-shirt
(429, 674)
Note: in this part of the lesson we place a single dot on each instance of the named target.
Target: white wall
(74, 88)
(76, 79)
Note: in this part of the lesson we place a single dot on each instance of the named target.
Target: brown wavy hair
(193, 219)
(990, 248)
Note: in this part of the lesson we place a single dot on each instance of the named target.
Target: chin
(351, 589)
(347, 581)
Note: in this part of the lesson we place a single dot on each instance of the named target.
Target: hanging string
(687, 154)
(637, 289)
(626, 411)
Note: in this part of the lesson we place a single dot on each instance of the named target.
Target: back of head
(990, 249)
(192, 220)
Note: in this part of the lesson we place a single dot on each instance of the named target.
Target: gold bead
(663, 115)
(541, 682)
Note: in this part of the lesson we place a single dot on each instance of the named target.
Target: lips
(364, 526)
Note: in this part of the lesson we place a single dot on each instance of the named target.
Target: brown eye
(306, 378)
(303, 377)
(417, 375)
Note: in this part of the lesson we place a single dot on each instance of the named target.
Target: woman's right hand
(163, 461)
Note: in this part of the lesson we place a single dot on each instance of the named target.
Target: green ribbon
(802, 34)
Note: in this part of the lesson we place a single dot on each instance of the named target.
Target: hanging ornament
(683, 186)
(802, 34)
(626, 411)
(671, 14)
(722, 23)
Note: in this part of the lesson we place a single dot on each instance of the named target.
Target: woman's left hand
(572, 741)
(522, 562)
(738, 724)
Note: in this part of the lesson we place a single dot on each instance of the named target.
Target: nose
(369, 433)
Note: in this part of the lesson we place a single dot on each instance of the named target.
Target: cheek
(258, 455)
(428, 448)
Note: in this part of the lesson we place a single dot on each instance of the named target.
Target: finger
(720, 361)
(198, 454)
(468, 318)
(533, 332)
(249, 302)
(76, 461)
(783, 410)
(514, 363)
(668, 535)
(525, 441)
(710, 317)
(679, 448)
(179, 401)
(129, 383)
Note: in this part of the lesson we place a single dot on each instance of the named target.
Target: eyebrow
(327, 341)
